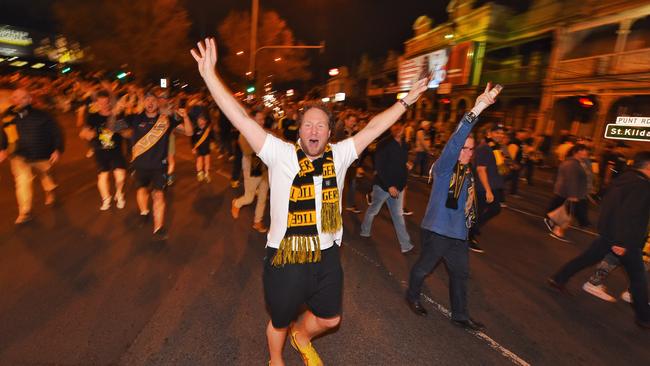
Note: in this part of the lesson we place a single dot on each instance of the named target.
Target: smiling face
(314, 132)
(151, 105)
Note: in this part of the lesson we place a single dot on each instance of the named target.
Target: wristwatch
(471, 117)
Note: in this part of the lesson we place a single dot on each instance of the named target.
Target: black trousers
(632, 261)
(455, 253)
(236, 163)
(486, 211)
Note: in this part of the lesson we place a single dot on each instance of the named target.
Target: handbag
(562, 215)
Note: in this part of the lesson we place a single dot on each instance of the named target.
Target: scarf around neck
(301, 243)
(462, 172)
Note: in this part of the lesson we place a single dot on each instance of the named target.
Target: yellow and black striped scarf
(301, 243)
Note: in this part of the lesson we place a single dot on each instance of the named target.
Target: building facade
(569, 65)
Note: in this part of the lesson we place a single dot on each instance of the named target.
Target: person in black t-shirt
(102, 129)
(201, 141)
(489, 190)
(150, 132)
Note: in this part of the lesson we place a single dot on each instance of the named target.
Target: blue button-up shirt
(438, 218)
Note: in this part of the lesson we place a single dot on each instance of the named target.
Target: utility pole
(251, 57)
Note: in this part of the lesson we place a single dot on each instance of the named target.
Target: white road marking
(444, 311)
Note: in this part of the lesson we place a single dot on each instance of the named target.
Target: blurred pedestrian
(256, 181)
(150, 132)
(489, 190)
(202, 140)
(37, 143)
(623, 231)
(570, 191)
(103, 131)
(345, 128)
(388, 186)
(423, 148)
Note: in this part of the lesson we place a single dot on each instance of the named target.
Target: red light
(586, 102)
(445, 101)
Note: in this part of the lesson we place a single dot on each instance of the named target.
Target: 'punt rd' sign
(629, 128)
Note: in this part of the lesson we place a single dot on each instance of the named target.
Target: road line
(444, 311)
(541, 217)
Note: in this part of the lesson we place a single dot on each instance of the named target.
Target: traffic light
(122, 75)
(586, 102)
(250, 89)
(66, 70)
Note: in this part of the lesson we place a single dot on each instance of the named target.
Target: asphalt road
(84, 287)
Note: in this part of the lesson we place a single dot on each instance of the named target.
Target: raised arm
(451, 151)
(206, 58)
(385, 119)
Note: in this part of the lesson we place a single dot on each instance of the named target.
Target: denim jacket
(438, 218)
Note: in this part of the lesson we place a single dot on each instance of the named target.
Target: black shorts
(108, 160)
(154, 178)
(203, 150)
(317, 285)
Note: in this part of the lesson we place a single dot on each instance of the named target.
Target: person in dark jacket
(571, 189)
(391, 159)
(36, 145)
(622, 229)
(450, 214)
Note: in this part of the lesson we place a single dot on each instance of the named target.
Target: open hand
(206, 56)
(417, 89)
(488, 97)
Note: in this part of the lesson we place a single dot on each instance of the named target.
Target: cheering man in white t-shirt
(302, 265)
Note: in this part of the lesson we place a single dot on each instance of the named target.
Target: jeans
(455, 253)
(23, 172)
(379, 196)
(632, 262)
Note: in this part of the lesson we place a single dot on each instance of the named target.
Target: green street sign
(627, 132)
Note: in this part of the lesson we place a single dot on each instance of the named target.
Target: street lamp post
(254, 15)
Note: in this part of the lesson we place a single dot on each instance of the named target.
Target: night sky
(349, 27)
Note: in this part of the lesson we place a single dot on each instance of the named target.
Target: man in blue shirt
(450, 213)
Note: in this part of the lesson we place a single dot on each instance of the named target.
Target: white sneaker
(106, 204)
(119, 201)
(599, 291)
(625, 296)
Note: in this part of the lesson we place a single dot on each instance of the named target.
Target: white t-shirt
(281, 159)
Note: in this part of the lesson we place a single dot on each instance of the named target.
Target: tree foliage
(234, 36)
(149, 36)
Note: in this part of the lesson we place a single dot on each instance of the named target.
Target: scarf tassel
(297, 250)
(331, 221)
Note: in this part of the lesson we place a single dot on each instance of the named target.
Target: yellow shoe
(308, 353)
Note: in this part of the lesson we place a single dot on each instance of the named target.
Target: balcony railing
(628, 62)
(515, 75)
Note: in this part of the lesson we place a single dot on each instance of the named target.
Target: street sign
(635, 121)
(627, 132)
